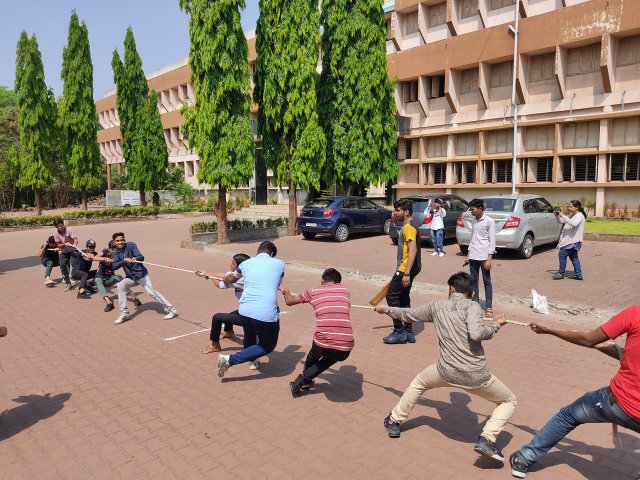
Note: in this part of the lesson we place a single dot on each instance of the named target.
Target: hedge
(36, 220)
(204, 227)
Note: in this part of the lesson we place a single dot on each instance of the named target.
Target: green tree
(287, 45)
(7, 99)
(218, 126)
(36, 119)
(356, 95)
(9, 142)
(77, 112)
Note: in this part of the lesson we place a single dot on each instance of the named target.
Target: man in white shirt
(437, 227)
(481, 249)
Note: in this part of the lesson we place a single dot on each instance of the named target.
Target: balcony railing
(403, 125)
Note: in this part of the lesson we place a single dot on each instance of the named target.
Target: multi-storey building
(577, 94)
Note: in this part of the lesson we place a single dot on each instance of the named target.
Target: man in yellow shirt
(408, 266)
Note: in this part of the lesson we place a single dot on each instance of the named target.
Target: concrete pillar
(119, 168)
(600, 202)
(108, 176)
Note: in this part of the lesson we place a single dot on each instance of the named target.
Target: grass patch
(620, 227)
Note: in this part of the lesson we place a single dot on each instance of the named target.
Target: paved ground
(83, 398)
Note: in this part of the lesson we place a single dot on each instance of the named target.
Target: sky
(160, 28)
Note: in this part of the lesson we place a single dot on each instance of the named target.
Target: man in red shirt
(618, 403)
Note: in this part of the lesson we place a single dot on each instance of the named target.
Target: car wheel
(309, 235)
(387, 226)
(526, 248)
(342, 233)
(464, 249)
(394, 241)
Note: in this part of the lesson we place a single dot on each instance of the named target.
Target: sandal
(488, 313)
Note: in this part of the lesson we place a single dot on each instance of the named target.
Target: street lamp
(514, 107)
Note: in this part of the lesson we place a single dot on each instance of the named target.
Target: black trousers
(65, 261)
(228, 319)
(318, 360)
(399, 296)
(84, 277)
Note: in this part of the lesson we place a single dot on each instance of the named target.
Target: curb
(612, 237)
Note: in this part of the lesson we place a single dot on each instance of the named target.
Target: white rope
(170, 267)
(522, 324)
(367, 307)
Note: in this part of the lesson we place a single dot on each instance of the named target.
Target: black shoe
(109, 307)
(488, 449)
(90, 289)
(295, 389)
(577, 277)
(393, 428)
(83, 295)
(137, 302)
(558, 276)
(307, 385)
(518, 468)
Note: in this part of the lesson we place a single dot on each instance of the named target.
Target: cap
(91, 243)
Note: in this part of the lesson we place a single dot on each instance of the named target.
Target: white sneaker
(173, 313)
(434, 254)
(122, 318)
(223, 365)
(48, 282)
(255, 365)
(441, 254)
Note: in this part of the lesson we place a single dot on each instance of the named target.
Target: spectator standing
(437, 227)
(481, 249)
(571, 238)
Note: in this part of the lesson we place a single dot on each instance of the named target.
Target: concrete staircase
(255, 212)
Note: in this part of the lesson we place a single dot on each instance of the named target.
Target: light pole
(514, 106)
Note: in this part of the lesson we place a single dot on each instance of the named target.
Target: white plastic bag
(540, 303)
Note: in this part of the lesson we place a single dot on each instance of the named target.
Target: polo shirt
(262, 275)
(69, 236)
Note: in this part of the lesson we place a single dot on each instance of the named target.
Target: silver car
(522, 222)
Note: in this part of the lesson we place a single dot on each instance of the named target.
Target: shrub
(205, 227)
(119, 212)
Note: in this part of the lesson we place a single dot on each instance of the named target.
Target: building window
(497, 171)
(498, 4)
(466, 144)
(409, 151)
(499, 141)
(583, 60)
(578, 168)
(626, 131)
(411, 23)
(464, 172)
(437, 147)
(410, 91)
(437, 15)
(624, 167)
(435, 86)
(539, 138)
(537, 169)
(409, 174)
(468, 8)
(542, 67)
(439, 172)
(629, 51)
(469, 80)
(501, 74)
(387, 24)
(581, 135)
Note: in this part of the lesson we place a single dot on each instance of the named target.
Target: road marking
(187, 334)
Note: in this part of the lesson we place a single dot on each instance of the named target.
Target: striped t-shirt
(331, 303)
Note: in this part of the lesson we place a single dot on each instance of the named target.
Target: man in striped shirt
(333, 337)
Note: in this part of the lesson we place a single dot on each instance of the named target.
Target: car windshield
(419, 206)
(319, 203)
(499, 204)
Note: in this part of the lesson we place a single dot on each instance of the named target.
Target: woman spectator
(571, 238)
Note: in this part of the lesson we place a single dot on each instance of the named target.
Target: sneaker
(122, 318)
(441, 254)
(295, 389)
(393, 428)
(307, 385)
(255, 365)
(173, 313)
(90, 289)
(395, 337)
(223, 365)
(48, 282)
(411, 337)
(577, 277)
(83, 295)
(489, 449)
(518, 468)
(109, 307)
(434, 254)
(558, 276)
(137, 302)
(68, 288)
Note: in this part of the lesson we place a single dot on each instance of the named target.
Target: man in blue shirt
(258, 309)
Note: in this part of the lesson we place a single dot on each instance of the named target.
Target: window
(629, 51)
(539, 138)
(624, 167)
(437, 173)
(543, 205)
(458, 205)
(499, 141)
(411, 23)
(498, 4)
(578, 168)
(464, 172)
(542, 67)
(410, 91)
(501, 74)
(468, 8)
(497, 171)
(469, 81)
(387, 23)
(435, 86)
(537, 169)
(530, 206)
(367, 205)
(408, 148)
(437, 147)
(583, 60)
(626, 131)
(409, 174)
(467, 144)
(582, 135)
(437, 15)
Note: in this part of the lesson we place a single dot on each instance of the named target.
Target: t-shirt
(625, 385)
(237, 286)
(105, 270)
(331, 303)
(262, 275)
(69, 236)
(408, 233)
(82, 264)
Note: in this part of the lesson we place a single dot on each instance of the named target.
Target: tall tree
(36, 120)
(287, 46)
(9, 142)
(356, 95)
(77, 111)
(218, 126)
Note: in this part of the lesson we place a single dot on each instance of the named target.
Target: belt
(612, 398)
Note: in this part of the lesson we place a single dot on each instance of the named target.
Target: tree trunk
(350, 186)
(143, 196)
(221, 216)
(293, 210)
(38, 202)
(84, 198)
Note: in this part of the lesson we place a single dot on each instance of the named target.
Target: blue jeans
(570, 251)
(592, 407)
(436, 240)
(474, 269)
(267, 339)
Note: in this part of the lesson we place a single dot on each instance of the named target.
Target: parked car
(522, 222)
(341, 217)
(421, 218)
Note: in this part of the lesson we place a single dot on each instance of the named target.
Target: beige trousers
(494, 391)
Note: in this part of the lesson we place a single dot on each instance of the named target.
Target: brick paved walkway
(83, 398)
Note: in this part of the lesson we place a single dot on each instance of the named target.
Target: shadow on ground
(33, 409)
(280, 364)
(17, 263)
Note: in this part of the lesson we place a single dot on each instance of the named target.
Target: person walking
(49, 257)
(437, 227)
(617, 403)
(461, 361)
(571, 237)
(408, 266)
(481, 250)
(66, 241)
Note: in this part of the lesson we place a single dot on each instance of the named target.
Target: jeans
(48, 264)
(125, 286)
(398, 296)
(570, 251)
(436, 240)
(103, 282)
(319, 359)
(229, 320)
(267, 339)
(592, 407)
(474, 269)
(85, 278)
(65, 261)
